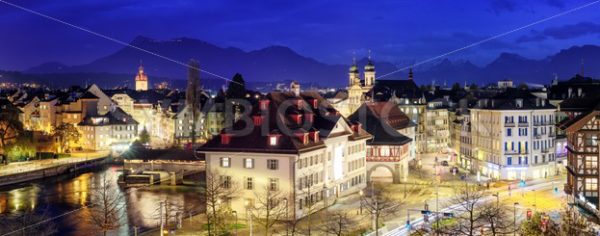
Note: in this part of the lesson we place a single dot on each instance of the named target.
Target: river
(71, 193)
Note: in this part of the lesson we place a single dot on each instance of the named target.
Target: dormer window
(315, 103)
(302, 136)
(356, 127)
(257, 120)
(225, 138)
(264, 104)
(519, 102)
(273, 138)
(314, 135)
(297, 118)
(310, 117)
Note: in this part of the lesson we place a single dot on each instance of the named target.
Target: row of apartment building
(112, 119)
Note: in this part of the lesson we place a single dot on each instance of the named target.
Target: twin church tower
(358, 88)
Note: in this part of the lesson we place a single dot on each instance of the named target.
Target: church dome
(354, 68)
(369, 66)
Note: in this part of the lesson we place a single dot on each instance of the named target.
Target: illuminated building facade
(305, 150)
(513, 136)
(391, 147)
(582, 128)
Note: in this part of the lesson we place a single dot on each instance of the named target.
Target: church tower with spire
(141, 79)
(353, 75)
(369, 73)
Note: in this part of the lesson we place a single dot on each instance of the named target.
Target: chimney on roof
(295, 88)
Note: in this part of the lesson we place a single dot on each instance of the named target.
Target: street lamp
(361, 193)
(236, 222)
(534, 200)
(248, 218)
(515, 218)
(286, 216)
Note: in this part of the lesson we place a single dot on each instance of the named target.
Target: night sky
(329, 31)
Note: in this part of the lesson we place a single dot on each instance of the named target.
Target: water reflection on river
(62, 194)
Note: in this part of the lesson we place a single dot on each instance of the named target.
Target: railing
(545, 150)
(523, 124)
(537, 136)
(509, 124)
(512, 152)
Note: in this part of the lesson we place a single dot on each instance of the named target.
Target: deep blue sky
(397, 31)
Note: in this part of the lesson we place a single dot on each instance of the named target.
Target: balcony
(552, 134)
(509, 124)
(523, 124)
(545, 150)
(514, 152)
(537, 136)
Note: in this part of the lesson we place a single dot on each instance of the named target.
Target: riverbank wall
(51, 171)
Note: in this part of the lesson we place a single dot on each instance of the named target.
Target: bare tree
(10, 125)
(107, 208)
(219, 189)
(573, 223)
(27, 223)
(497, 219)
(269, 208)
(336, 223)
(468, 202)
(380, 204)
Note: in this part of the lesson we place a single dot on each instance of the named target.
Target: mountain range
(279, 63)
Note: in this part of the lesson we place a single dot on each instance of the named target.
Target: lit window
(591, 184)
(248, 163)
(273, 184)
(225, 181)
(225, 162)
(249, 184)
(272, 164)
(591, 162)
(273, 140)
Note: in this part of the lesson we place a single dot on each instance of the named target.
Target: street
(20, 167)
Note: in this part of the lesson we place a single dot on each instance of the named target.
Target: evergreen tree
(237, 87)
(523, 86)
(456, 87)
(144, 136)
(193, 95)
(473, 86)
